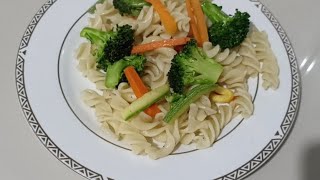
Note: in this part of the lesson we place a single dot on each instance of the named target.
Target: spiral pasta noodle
(233, 71)
(250, 59)
(270, 67)
(158, 66)
(203, 122)
(86, 61)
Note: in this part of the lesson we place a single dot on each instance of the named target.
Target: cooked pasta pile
(202, 124)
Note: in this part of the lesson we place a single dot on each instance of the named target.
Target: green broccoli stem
(114, 73)
(178, 107)
(214, 12)
(95, 36)
(207, 69)
(139, 3)
(130, 7)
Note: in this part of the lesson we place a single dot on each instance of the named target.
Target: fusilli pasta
(202, 124)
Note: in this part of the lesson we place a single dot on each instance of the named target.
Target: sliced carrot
(201, 22)
(139, 89)
(153, 110)
(193, 23)
(190, 33)
(158, 44)
(136, 82)
(167, 20)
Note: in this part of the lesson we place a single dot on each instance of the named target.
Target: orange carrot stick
(201, 22)
(190, 34)
(193, 23)
(139, 89)
(136, 82)
(158, 44)
(167, 20)
(153, 110)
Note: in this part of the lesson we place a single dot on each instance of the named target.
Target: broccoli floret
(109, 47)
(192, 66)
(227, 31)
(115, 73)
(130, 7)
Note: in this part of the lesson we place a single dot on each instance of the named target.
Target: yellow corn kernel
(222, 95)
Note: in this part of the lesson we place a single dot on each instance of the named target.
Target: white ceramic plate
(49, 87)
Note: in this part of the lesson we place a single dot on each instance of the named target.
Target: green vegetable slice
(145, 101)
(182, 103)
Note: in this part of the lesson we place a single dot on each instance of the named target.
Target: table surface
(24, 157)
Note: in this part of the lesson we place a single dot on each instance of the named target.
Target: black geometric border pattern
(290, 117)
(27, 110)
(238, 174)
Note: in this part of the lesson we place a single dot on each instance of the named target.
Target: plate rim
(243, 171)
